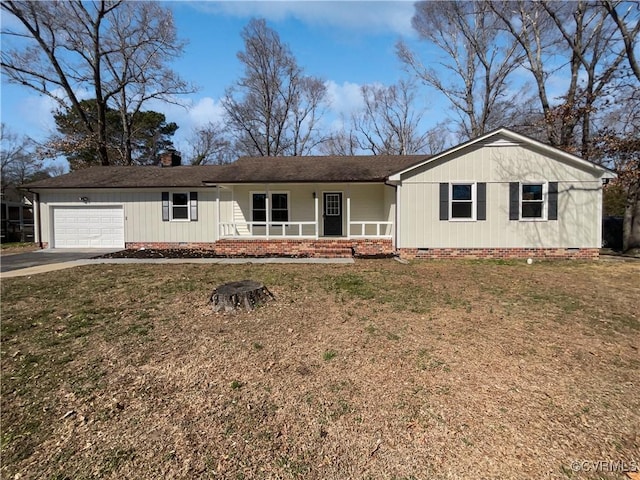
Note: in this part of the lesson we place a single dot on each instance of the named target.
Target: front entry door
(332, 214)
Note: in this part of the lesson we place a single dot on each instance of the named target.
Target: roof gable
(505, 137)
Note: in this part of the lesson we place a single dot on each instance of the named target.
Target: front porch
(323, 212)
(321, 248)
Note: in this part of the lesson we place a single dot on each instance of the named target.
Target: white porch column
(36, 218)
(316, 204)
(268, 212)
(396, 226)
(348, 210)
(219, 232)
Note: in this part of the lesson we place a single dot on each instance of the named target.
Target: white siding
(579, 202)
(142, 214)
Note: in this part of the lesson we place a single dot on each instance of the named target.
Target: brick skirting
(326, 248)
(337, 248)
(501, 253)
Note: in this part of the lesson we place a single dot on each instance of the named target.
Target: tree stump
(245, 294)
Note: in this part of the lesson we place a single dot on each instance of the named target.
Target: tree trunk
(245, 294)
(631, 222)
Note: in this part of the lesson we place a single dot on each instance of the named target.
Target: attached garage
(88, 227)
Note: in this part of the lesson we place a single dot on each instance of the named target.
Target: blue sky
(347, 44)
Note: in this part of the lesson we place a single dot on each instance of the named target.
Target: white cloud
(369, 16)
(190, 115)
(344, 99)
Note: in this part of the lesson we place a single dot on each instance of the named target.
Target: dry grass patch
(372, 370)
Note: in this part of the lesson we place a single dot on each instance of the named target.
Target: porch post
(268, 212)
(36, 219)
(219, 227)
(316, 205)
(396, 218)
(348, 210)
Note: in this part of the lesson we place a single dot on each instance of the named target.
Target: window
(259, 207)
(532, 203)
(462, 199)
(180, 206)
(279, 206)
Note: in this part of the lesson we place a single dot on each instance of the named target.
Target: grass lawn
(432, 370)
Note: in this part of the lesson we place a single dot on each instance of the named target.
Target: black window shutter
(481, 196)
(165, 206)
(444, 201)
(514, 201)
(553, 201)
(193, 205)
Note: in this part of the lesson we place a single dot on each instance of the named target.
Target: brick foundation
(325, 248)
(501, 253)
(345, 248)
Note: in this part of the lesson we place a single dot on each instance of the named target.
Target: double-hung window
(179, 206)
(532, 203)
(258, 207)
(463, 201)
(462, 198)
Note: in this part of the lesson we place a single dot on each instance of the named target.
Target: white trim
(521, 139)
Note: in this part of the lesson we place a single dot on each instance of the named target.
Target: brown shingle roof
(245, 170)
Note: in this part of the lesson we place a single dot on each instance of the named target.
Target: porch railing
(270, 229)
(370, 229)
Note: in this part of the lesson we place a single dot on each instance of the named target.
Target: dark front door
(332, 214)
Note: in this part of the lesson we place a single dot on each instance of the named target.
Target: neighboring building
(16, 216)
(502, 195)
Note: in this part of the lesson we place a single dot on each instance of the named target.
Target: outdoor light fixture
(314, 194)
(84, 199)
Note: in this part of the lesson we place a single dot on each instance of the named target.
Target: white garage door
(88, 227)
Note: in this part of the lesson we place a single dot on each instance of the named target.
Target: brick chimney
(170, 158)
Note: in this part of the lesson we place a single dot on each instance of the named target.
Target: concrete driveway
(18, 261)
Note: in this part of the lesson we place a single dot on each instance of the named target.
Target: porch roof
(245, 170)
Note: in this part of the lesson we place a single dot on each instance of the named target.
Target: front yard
(432, 370)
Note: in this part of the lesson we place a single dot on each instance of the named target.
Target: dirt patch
(13, 248)
(161, 253)
(373, 370)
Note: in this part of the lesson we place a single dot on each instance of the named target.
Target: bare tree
(19, 159)
(342, 142)
(629, 26)
(142, 40)
(274, 108)
(389, 123)
(115, 50)
(475, 63)
(210, 146)
(591, 37)
(573, 37)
